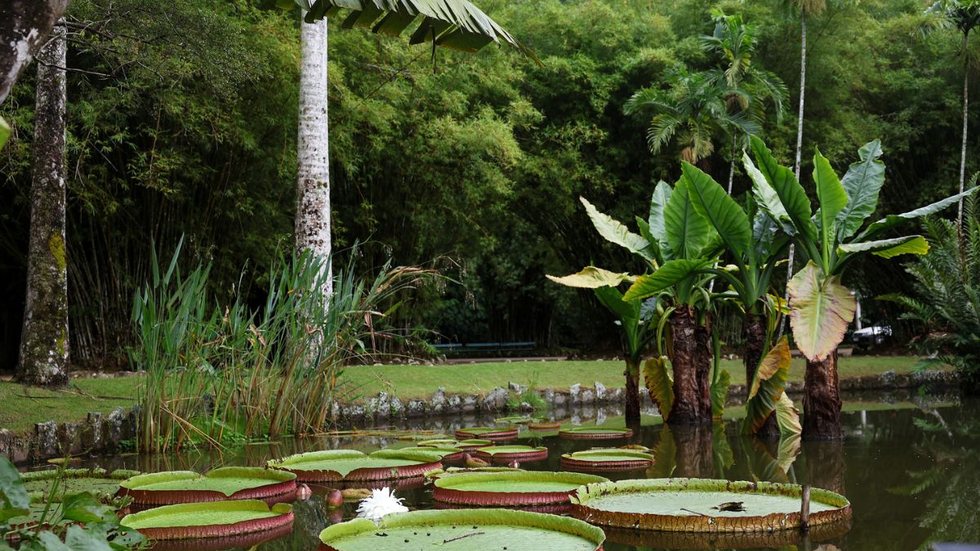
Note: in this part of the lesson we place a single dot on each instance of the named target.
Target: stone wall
(99, 434)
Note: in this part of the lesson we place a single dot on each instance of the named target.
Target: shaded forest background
(182, 121)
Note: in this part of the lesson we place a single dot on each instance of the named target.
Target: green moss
(56, 244)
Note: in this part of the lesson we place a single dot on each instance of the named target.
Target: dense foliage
(182, 120)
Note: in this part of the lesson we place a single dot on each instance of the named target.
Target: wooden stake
(805, 510)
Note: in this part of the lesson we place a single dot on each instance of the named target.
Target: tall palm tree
(964, 16)
(692, 111)
(455, 24)
(747, 89)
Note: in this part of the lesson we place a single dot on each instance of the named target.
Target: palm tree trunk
(313, 187)
(731, 173)
(686, 409)
(966, 105)
(632, 392)
(821, 400)
(702, 368)
(799, 148)
(44, 343)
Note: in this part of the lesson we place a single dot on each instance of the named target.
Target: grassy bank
(21, 407)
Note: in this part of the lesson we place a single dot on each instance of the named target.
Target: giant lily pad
(781, 539)
(338, 465)
(464, 530)
(595, 433)
(506, 454)
(218, 519)
(515, 420)
(698, 505)
(172, 487)
(606, 460)
(473, 443)
(495, 434)
(509, 489)
(544, 425)
(99, 482)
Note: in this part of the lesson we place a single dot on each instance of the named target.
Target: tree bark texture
(632, 393)
(313, 188)
(44, 342)
(703, 357)
(821, 400)
(754, 331)
(24, 28)
(686, 409)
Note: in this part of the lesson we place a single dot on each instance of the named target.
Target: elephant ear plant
(677, 245)
(821, 307)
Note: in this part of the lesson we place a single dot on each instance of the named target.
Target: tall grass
(218, 372)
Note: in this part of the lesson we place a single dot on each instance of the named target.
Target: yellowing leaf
(659, 384)
(768, 387)
(787, 416)
(777, 359)
(888, 248)
(591, 278)
(614, 231)
(821, 308)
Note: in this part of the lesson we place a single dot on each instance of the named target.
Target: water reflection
(909, 468)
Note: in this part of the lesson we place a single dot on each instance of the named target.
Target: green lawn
(21, 407)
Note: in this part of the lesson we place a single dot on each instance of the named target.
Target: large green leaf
(888, 248)
(657, 379)
(893, 220)
(4, 132)
(720, 210)
(791, 195)
(591, 278)
(766, 197)
(688, 233)
(671, 273)
(832, 198)
(15, 499)
(820, 310)
(862, 182)
(767, 386)
(614, 231)
(658, 203)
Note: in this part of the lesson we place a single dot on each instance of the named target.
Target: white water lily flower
(382, 502)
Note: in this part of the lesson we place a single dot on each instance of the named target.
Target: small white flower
(382, 502)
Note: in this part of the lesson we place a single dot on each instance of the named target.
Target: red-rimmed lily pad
(701, 505)
(439, 443)
(216, 519)
(348, 465)
(595, 433)
(544, 425)
(100, 483)
(473, 443)
(509, 489)
(606, 460)
(495, 434)
(226, 483)
(777, 539)
(464, 530)
(449, 454)
(503, 455)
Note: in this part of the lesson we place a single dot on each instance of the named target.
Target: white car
(871, 335)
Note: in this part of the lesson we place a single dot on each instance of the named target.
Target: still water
(910, 467)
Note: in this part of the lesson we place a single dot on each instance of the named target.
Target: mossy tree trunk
(821, 400)
(44, 342)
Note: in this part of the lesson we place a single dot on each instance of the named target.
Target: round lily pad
(700, 505)
(172, 487)
(495, 434)
(544, 425)
(594, 433)
(508, 489)
(778, 539)
(439, 443)
(447, 453)
(506, 454)
(338, 465)
(606, 460)
(217, 519)
(473, 443)
(514, 420)
(464, 530)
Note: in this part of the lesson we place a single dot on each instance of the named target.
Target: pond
(909, 466)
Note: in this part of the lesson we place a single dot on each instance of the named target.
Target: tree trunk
(44, 343)
(24, 28)
(686, 409)
(821, 400)
(754, 331)
(966, 105)
(695, 457)
(313, 189)
(799, 149)
(632, 393)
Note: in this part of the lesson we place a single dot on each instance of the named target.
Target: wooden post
(805, 510)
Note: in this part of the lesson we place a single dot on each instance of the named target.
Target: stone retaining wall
(101, 434)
